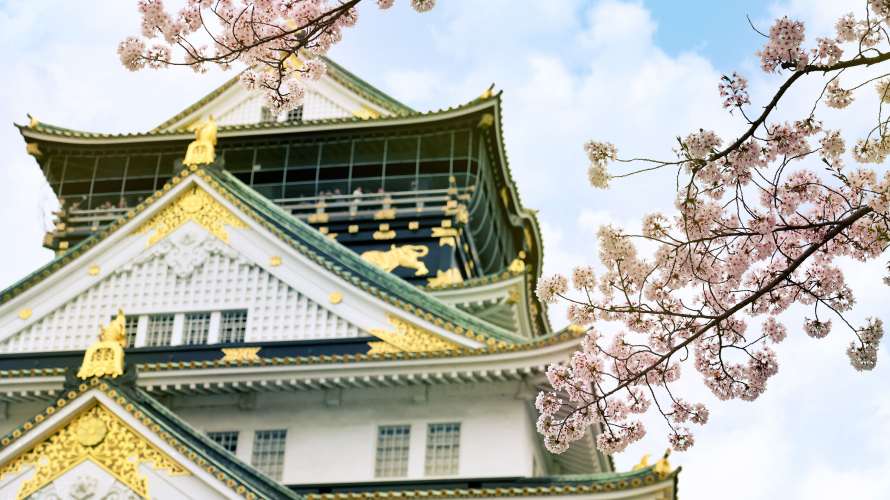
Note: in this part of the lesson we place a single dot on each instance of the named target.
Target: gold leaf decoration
(409, 337)
(405, 256)
(446, 277)
(240, 353)
(97, 435)
(195, 205)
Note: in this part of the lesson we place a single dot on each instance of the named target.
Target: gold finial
(201, 150)
(488, 93)
(663, 465)
(106, 357)
(34, 123)
(644, 462)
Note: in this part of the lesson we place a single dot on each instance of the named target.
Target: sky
(637, 74)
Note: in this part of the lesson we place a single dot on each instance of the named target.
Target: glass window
(232, 326)
(368, 151)
(270, 158)
(142, 166)
(111, 167)
(80, 168)
(196, 328)
(461, 144)
(442, 449)
(303, 156)
(132, 326)
(239, 160)
(160, 330)
(228, 440)
(435, 146)
(268, 452)
(392, 450)
(295, 115)
(266, 115)
(337, 153)
(401, 150)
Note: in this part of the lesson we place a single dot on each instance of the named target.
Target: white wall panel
(275, 311)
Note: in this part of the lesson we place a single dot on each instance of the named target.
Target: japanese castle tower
(334, 305)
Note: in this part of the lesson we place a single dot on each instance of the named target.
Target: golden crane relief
(405, 256)
(106, 357)
(201, 150)
(97, 435)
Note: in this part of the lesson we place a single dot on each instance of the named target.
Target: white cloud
(411, 85)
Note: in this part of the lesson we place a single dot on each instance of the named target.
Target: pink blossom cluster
(734, 91)
(836, 97)
(270, 36)
(784, 47)
(711, 258)
(864, 356)
(600, 154)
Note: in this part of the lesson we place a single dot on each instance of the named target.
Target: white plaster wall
(275, 311)
(333, 444)
(315, 107)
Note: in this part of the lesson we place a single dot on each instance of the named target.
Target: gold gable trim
(98, 435)
(408, 337)
(195, 205)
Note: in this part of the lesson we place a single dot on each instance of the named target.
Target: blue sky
(634, 73)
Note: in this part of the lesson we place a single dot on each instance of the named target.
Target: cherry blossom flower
(836, 97)
(734, 91)
(784, 47)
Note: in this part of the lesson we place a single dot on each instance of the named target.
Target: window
(392, 450)
(160, 330)
(132, 327)
(295, 115)
(196, 328)
(266, 115)
(268, 452)
(232, 326)
(442, 449)
(228, 440)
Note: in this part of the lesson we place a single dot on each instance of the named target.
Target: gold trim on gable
(408, 337)
(98, 435)
(195, 205)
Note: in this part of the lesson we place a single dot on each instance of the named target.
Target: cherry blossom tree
(758, 223)
(269, 36)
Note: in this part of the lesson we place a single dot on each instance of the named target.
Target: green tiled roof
(338, 73)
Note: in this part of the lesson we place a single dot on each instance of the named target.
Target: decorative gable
(189, 270)
(99, 436)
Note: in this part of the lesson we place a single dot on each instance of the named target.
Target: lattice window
(392, 450)
(228, 440)
(268, 452)
(295, 115)
(442, 449)
(196, 328)
(160, 330)
(132, 327)
(232, 326)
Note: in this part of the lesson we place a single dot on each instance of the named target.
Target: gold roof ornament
(106, 357)
(663, 465)
(201, 150)
(517, 266)
(644, 462)
(405, 256)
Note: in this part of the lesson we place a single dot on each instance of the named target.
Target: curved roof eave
(52, 133)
